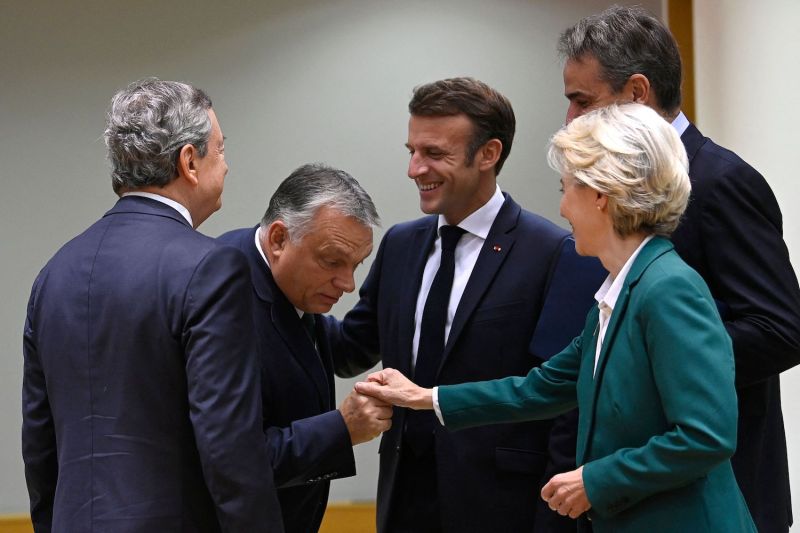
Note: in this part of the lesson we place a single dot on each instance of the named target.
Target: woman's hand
(391, 386)
(564, 493)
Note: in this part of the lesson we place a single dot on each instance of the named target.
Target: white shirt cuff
(435, 398)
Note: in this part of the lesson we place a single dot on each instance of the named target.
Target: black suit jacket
(489, 477)
(141, 401)
(308, 439)
(732, 235)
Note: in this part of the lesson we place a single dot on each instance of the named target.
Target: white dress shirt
(607, 296)
(680, 123)
(477, 226)
(164, 200)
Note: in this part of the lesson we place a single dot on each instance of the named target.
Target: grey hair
(633, 156)
(148, 123)
(627, 41)
(312, 186)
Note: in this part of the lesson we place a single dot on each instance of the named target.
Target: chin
(320, 309)
(428, 209)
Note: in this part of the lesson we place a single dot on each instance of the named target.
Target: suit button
(397, 448)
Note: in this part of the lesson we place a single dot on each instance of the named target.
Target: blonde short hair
(633, 156)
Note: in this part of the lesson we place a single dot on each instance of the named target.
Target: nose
(573, 112)
(345, 282)
(416, 167)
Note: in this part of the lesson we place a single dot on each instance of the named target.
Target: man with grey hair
(141, 400)
(316, 231)
(731, 234)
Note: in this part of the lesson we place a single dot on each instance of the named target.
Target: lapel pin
(497, 248)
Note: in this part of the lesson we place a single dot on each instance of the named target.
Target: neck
(174, 192)
(617, 252)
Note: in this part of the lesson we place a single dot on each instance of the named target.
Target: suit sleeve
(545, 392)
(38, 430)
(692, 367)
(750, 272)
(310, 450)
(224, 393)
(355, 341)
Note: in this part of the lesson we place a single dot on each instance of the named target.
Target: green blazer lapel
(657, 247)
(586, 394)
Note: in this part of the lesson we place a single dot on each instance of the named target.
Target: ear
(489, 154)
(638, 86)
(601, 201)
(187, 164)
(277, 238)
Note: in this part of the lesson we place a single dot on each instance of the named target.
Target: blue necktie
(421, 424)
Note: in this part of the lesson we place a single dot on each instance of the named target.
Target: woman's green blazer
(657, 416)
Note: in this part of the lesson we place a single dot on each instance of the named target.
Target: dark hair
(627, 41)
(312, 186)
(490, 112)
(148, 123)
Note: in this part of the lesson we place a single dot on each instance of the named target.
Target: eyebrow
(575, 94)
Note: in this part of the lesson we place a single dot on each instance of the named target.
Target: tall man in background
(478, 290)
(315, 232)
(731, 234)
(141, 399)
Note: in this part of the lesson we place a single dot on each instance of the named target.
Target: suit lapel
(693, 140)
(287, 324)
(652, 250)
(418, 251)
(282, 315)
(493, 254)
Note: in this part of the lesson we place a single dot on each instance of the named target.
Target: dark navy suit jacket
(308, 439)
(141, 404)
(732, 234)
(489, 477)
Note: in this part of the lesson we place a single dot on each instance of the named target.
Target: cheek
(564, 206)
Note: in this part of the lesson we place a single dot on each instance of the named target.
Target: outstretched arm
(391, 386)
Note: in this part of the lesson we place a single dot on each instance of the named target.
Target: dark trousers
(416, 506)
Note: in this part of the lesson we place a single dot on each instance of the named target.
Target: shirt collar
(680, 123)
(608, 293)
(258, 246)
(480, 221)
(164, 200)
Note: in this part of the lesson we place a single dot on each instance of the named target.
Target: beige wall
(747, 100)
(292, 81)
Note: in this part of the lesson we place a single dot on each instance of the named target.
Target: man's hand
(365, 417)
(391, 386)
(564, 493)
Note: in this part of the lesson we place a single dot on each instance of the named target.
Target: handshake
(367, 410)
(564, 493)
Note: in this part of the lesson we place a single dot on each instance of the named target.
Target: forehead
(423, 130)
(216, 131)
(583, 75)
(338, 233)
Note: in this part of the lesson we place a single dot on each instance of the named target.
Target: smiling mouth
(428, 186)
